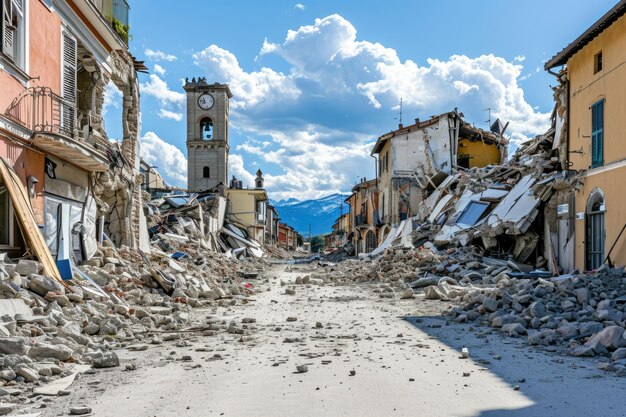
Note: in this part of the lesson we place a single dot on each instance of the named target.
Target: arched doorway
(595, 232)
(370, 241)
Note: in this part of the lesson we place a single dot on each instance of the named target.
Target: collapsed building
(81, 185)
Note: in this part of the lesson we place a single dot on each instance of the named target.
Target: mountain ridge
(319, 213)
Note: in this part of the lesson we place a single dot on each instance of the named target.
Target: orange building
(57, 59)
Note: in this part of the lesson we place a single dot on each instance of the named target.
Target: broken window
(597, 134)
(206, 172)
(63, 226)
(206, 128)
(597, 62)
(472, 213)
(13, 34)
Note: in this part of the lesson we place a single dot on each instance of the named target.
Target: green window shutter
(597, 134)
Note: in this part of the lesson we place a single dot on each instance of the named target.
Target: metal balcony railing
(41, 110)
(360, 219)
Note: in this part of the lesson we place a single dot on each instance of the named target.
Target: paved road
(401, 367)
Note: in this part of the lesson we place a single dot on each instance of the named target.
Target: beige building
(247, 208)
(594, 74)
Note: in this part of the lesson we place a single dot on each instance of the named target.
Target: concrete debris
(121, 297)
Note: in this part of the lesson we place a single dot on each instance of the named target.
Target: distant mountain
(288, 202)
(320, 213)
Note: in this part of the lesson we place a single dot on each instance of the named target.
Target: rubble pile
(583, 314)
(119, 298)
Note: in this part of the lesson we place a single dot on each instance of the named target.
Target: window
(13, 33)
(206, 128)
(472, 213)
(206, 172)
(597, 134)
(597, 62)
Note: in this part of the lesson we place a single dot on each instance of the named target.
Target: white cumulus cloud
(249, 88)
(170, 160)
(159, 70)
(299, 6)
(339, 93)
(159, 89)
(172, 115)
(159, 55)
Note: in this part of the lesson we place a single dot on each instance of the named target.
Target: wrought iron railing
(360, 219)
(41, 110)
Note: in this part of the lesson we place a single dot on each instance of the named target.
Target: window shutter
(8, 30)
(597, 134)
(68, 87)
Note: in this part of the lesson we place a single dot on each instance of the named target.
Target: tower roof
(200, 84)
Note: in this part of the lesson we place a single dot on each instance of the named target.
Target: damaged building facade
(58, 58)
(591, 103)
(414, 158)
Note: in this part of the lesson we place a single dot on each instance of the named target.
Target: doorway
(595, 231)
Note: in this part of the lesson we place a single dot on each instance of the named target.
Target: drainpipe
(567, 163)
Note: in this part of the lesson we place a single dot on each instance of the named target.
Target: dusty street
(406, 362)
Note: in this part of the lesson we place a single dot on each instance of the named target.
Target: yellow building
(595, 77)
(364, 219)
(247, 208)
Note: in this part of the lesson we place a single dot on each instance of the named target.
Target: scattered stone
(408, 293)
(302, 369)
(104, 359)
(611, 337)
(79, 410)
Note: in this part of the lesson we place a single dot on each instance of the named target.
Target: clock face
(206, 101)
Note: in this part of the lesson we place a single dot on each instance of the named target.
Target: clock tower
(207, 134)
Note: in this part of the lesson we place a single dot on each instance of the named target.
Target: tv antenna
(488, 109)
(399, 118)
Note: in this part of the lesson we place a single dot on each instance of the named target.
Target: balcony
(58, 127)
(116, 13)
(360, 219)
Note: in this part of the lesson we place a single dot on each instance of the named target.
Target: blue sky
(317, 82)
